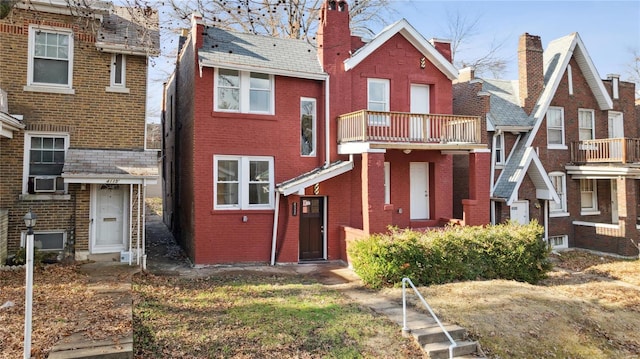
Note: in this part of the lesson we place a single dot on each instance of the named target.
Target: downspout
(144, 225)
(130, 222)
(546, 221)
(275, 229)
(327, 116)
(138, 226)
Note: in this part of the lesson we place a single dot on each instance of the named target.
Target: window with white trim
(387, 182)
(586, 124)
(588, 196)
(47, 240)
(50, 62)
(243, 91)
(44, 159)
(307, 126)
(558, 242)
(118, 70)
(558, 180)
(498, 148)
(243, 182)
(378, 100)
(555, 127)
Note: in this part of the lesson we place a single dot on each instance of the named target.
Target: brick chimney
(197, 28)
(334, 35)
(530, 70)
(443, 47)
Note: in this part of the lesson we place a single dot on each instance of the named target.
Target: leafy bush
(505, 251)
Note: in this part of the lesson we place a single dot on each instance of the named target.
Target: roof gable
(241, 51)
(414, 37)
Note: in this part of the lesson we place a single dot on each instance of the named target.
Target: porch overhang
(603, 172)
(9, 125)
(110, 166)
(310, 178)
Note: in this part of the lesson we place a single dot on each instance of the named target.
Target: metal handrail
(404, 314)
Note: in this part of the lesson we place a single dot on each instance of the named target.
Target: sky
(610, 31)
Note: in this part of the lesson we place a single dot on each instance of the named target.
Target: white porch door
(419, 104)
(614, 202)
(110, 218)
(519, 211)
(419, 190)
(616, 130)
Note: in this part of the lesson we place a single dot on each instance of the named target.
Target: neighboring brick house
(565, 147)
(72, 144)
(280, 151)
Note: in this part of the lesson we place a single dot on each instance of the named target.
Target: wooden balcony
(406, 129)
(606, 150)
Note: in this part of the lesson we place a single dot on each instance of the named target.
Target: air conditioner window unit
(44, 184)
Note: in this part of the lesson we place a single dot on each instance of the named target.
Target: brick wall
(4, 223)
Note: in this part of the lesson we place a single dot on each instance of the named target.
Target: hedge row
(505, 251)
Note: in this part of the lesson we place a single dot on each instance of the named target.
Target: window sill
(243, 211)
(58, 90)
(117, 89)
(244, 115)
(589, 213)
(557, 147)
(559, 214)
(44, 197)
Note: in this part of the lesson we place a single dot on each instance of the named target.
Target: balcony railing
(375, 126)
(606, 150)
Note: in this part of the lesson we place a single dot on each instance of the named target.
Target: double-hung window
(50, 63)
(555, 128)
(558, 180)
(498, 149)
(588, 196)
(586, 124)
(243, 91)
(243, 182)
(44, 156)
(378, 101)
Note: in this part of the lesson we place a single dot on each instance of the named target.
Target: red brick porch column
(374, 218)
(476, 208)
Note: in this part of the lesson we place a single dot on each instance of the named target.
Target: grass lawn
(257, 315)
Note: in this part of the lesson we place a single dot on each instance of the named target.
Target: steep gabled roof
(556, 59)
(414, 37)
(130, 30)
(504, 107)
(241, 51)
(523, 160)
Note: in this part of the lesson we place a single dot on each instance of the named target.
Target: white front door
(419, 190)
(519, 212)
(616, 130)
(419, 104)
(614, 202)
(109, 218)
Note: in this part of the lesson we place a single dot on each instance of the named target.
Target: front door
(419, 129)
(519, 212)
(311, 228)
(109, 218)
(616, 130)
(419, 190)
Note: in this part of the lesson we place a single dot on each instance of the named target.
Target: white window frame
(243, 183)
(563, 237)
(498, 149)
(387, 183)
(562, 193)
(570, 79)
(377, 120)
(313, 126)
(27, 158)
(23, 239)
(562, 145)
(581, 112)
(592, 208)
(244, 105)
(121, 86)
(44, 86)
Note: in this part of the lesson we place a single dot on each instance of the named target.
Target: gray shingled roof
(262, 53)
(508, 179)
(110, 163)
(133, 30)
(505, 107)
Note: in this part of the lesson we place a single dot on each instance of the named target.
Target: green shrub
(505, 251)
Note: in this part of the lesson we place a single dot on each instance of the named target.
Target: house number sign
(113, 180)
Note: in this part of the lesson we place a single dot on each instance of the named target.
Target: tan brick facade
(92, 117)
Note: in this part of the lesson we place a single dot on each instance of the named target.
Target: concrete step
(440, 350)
(434, 334)
(107, 349)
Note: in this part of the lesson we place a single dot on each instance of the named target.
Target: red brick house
(565, 148)
(72, 127)
(280, 151)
